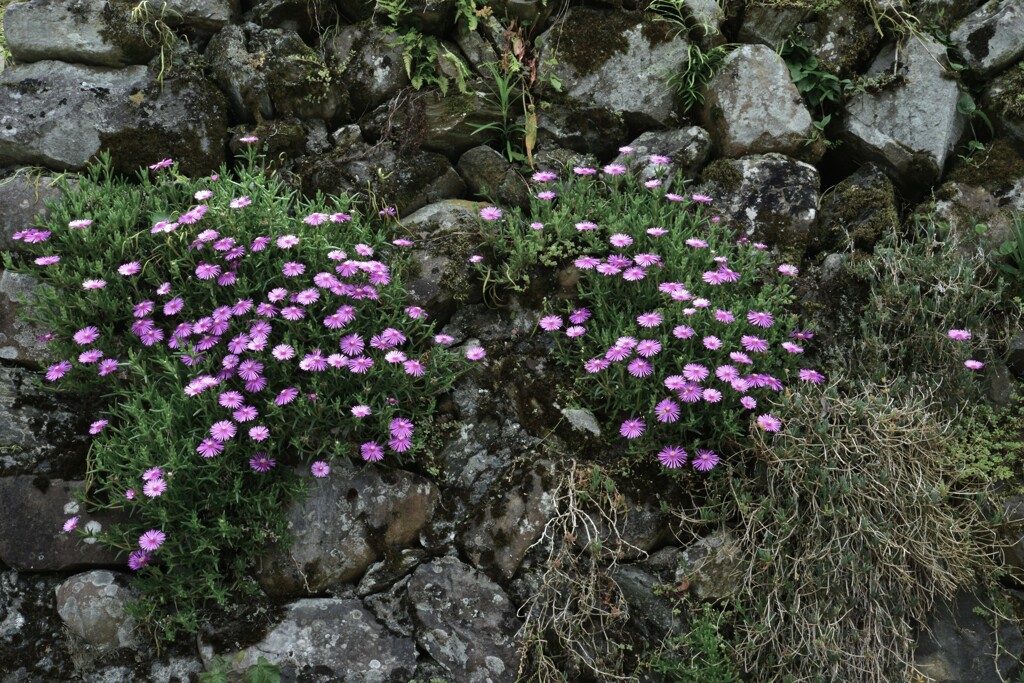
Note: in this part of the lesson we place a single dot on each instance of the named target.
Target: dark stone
(23, 198)
(374, 70)
(19, 339)
(650, 616)
(464, 621)
(858, 211)
(582, 128)
(32, 515)
(488, 174)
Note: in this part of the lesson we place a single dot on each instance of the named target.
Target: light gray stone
(626, 74)
(60, 115)
(92, 606)
(909, 128)
(346, 525)
(341, 636)
(752, 107)
(770, 24)
(582, 420)
(81, 31)
(993, 37)
(714, 566)
(688, 149)
(23, 197)
(464, 621)
(19, 339)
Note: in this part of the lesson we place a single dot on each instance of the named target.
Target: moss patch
(1010, 101)
(587, 39)
(995, 169)
(724, 174)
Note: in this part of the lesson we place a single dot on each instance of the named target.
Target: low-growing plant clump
(231, 332)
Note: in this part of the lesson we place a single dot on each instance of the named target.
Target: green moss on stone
(1010, 101)
(725, 175)
(994, 169)
(592, 38)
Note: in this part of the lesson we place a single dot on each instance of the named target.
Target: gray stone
(770, 24)
(383, 575)
(23, 197)
(650, 615)
(201, 15)
(502, 530)
(341, 636)
(374, 71)
(707, 14)
(305, 18)
(714, 567)
(993, 37)
(688, 149)
(909, 128)
(752, 107)
(999, 384)
(347, 137)
(92, 606)
(464, 621)
(488, 173)
(436, 122)
(32, 637)
(345, 525)
(858, 211)
(81, 31)
(641, 527)
(1015, 357)
(626, 75)
(61, 115)
(960, 645)
(477, 49)
(937, 11)
(412, 180)
(391, 609)
(40, 432)
(584, 129)
(582, 420)
(32, 515)
(1004, 101)
(271, 73)
(770, 197)
(842, 39)
(19, 339)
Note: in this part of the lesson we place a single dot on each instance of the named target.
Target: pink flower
(315, 218)
(579, 316)
(414, 368)
(705, 460)
(973, 364)
(371, 451)
(286, 396)
(163, 163)
(152, 539)
(86, 335)
(638, 367)
(70, 525)
(712, 342)
(960, 335)
(475, 353)
(259, 433)
(130, 268)
(544, 176)
(293, 269)
(490, 213)
(58, 370)
(620, 240)
(574, 331)
(223, 430)
(583, 170)
(360, 365)
(47, 260)
(787, 269)
(137, 560)
(667, 411)
(696, 243)
(551, 323)
(614, 169)
(656, 232)
(711, 395)
(648, 348)
(695, 372)
(94, 284)
(207, 271)
(700, 198)
(97, 426)
(769, 422)
(760, 318)
(240, 202)
(261, 462)
(812, 376)
(595, 365)
(546, 195)
(245, 414)
(320, 469)
(754, 344)
(154, 488)
(652, 319)
(632, 428)
(672, 456)
(584, 226)
(80, 223)
(107, 366)
(90, 356)
(748, 402)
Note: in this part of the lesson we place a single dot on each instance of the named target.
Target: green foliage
(700, 69)
(427, 61)
(5, 53)
(510, 97)
(702, 654)
(822, 90)
(952, 287)
(165, 328)
(260, 672)
(1012, 251)
(157, 32)
(990, 443)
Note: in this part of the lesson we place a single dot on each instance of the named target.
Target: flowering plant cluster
(232, 331)
(682, 330)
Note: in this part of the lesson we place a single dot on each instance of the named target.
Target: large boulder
(487, 173)
(272, 73)
(615, 60)
(32, 515)
(374, 70)
(768, 197)
(347, 524)
(19, 339)
(993, 37)
(911, 127)
(85, 32)
(340, 638)
(61, 115)
(40, 432)
(752, 107)
(92, 606)
(502, 530)
(464, 621)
